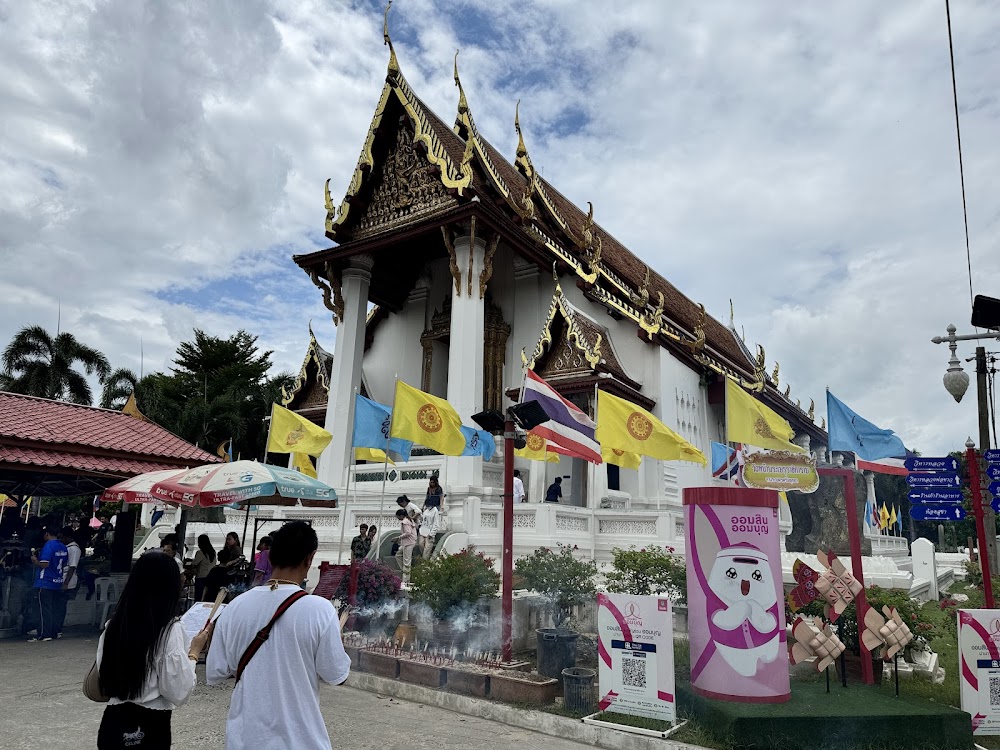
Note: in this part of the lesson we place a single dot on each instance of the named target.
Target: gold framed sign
(780, 470)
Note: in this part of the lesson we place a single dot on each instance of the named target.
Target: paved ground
(41, 705)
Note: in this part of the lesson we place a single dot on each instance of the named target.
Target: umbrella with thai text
(136, 489)
(240, 481)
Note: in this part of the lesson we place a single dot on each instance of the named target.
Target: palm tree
(36, 364)
(118, 386)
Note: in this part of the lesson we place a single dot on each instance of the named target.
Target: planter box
(354, 652)
(382, 665)
(468, 683)
(517, 666)
(429, 675)
(512, 689)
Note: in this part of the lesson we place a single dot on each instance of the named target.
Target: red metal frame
(854, 533)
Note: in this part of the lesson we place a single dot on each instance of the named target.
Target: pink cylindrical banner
(736, 613)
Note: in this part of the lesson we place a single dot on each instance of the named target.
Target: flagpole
(347, 490)
(594, 470)
(385, 464)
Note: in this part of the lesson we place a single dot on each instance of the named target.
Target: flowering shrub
(559, 576)
(376, 583)
(648, 571)
(449, 583)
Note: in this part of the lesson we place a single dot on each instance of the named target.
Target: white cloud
(161, 162)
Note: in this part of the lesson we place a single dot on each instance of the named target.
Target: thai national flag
(725, 462)
(568, 427)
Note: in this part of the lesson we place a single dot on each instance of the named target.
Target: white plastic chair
(105, 598)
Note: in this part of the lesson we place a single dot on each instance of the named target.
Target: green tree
(646, 572)
(559, 577)
(117, 387)
(219, 388)
(36, 364)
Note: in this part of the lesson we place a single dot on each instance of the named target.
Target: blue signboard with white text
(944, 479)
(936, 513)
(992, 456)
(995, 488)
(995, 505)
(922, 463)
(946, 495)
(993, 471)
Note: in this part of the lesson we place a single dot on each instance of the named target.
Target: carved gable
(563, 358)
(405, 189)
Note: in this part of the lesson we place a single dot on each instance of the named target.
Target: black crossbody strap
(264, 633)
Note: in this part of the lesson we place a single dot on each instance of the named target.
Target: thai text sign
(779, 470)
(635, 646)
(979, 667)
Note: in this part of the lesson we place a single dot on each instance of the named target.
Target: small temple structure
(455, 268)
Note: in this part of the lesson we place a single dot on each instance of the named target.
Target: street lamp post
(956, 382)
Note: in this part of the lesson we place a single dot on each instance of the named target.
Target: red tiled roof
(117, 441)
(33, 458)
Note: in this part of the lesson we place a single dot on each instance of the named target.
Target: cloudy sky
(160, 162)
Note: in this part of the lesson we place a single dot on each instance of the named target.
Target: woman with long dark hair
(146, 663)
(204, 561)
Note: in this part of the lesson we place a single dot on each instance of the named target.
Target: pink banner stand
(736, 613)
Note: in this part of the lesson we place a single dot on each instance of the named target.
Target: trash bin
(556, 650)
(578, 690)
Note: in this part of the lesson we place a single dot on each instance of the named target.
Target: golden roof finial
(393, 62)
(774, 375)
(522, 160)
(732, 316)
(463, 103)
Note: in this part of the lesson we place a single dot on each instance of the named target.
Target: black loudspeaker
(986, 312)
(124, 543)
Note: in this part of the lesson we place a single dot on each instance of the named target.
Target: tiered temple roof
(460, 176)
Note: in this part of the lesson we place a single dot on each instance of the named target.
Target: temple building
(455, 268)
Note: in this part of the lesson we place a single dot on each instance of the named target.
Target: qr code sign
(995, 690)
(634, 673)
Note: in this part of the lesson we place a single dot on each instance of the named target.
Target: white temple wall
(395, 351)
(685, 411)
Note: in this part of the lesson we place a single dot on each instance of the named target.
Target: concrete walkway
(41, 705)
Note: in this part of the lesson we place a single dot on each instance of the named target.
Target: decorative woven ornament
(814, 640)
(836, 585)
(889, 632)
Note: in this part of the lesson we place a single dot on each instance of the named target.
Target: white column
(465, 355)
(870, 486)
(348, 355)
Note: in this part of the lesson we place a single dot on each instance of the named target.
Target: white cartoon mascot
(745, 630)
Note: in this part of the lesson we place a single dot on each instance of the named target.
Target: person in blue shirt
(51, 562)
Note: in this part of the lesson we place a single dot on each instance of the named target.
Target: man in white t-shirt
(71, 581)
(275, 704)
(519, 496)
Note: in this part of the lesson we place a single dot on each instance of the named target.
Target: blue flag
(478, 443)
(371, 429)
(852, 433)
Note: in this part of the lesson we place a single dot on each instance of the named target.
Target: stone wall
(820, 519)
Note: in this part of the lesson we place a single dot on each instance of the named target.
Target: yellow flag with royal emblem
(630, 428)
(621, 458)
(750, 421)
(426, 419)
(291, 433)
(536, 449)
(304, 464)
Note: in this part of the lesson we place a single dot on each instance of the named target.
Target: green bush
(648, 571)
(449, 583)
(560, 577)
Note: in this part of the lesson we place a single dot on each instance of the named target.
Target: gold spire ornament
(812, 410)
(393, 62)
(774, 373)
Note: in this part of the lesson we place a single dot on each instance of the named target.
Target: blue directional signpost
(943, 479)
(937, 512)
(992, 456)
(993, 471)
(920, 463)
(947, 495)
(935, 492)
